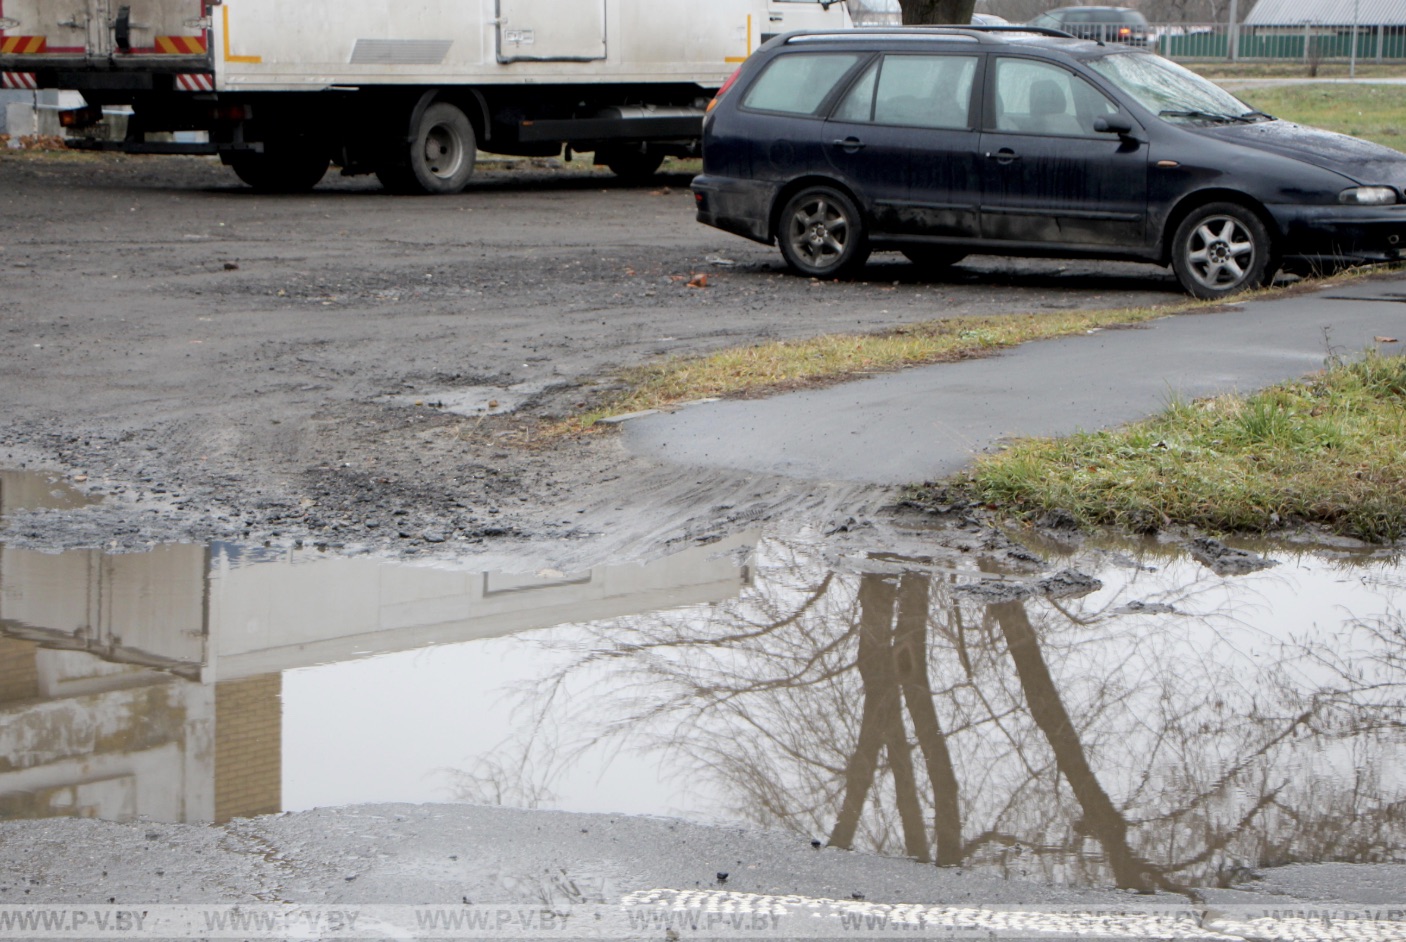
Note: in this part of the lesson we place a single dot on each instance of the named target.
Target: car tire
(822, 233)
(933, 257)
(440, 156)
(1222, 249)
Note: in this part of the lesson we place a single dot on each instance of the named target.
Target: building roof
(1328, 12)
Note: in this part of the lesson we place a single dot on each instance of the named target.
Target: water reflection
(157, 684)
(30, 490)
(1168, 730)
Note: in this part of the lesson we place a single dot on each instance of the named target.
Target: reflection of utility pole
(1047, 708)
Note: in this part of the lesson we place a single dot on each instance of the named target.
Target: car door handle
(1003, 156)
(850, 145)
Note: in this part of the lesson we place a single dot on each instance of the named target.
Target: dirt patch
(222, 365)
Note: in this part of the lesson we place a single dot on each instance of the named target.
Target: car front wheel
(1222, 249)
(822, 234)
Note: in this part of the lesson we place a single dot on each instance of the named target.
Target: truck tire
(440, 157)
(637, 162)
(281, 168)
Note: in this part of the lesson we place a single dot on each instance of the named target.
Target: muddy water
(1157, 726)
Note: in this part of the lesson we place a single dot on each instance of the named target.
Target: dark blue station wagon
(942, 142)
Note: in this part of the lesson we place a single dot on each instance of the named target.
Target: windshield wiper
(1207, 115)
(1258, 116)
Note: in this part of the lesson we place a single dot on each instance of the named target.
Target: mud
(322, 368)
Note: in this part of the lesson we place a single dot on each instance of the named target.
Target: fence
(1304, 43)
(1307, 43)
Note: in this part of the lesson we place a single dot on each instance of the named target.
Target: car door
(1048, 177)
(903, 137)
(777, 132)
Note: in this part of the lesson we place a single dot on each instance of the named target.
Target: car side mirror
(1113, 124)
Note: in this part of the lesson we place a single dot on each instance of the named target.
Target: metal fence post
(1234, 30)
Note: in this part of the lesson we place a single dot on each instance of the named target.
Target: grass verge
(1375, 113)
(1330, 451)
(785, 365)
(1292, 68)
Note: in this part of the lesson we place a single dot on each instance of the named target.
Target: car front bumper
(1353, 233)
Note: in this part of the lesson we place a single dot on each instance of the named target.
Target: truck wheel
(441, 154)
(631, 163)
(281, 168)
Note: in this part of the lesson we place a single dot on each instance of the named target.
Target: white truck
(408, 90)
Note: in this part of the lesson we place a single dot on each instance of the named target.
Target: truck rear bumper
(77, 67)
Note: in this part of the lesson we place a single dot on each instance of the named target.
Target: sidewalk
(929, 422)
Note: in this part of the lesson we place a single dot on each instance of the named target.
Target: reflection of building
(148, 685)
(100, 718)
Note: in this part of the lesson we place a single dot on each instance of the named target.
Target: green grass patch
(1372, 112)
(1330, 450)
(1224, 70)
(784, 365)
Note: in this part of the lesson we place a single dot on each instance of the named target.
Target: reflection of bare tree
(1047, 709)
(892, 665)
(1069, 741)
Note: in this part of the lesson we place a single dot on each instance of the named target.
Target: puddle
(473, 401)
(1167, 727)
(29, 490)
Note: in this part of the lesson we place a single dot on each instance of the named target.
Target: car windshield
(1170, 91)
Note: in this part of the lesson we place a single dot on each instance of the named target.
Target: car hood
(1359, 160)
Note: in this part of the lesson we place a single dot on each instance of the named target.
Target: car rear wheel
(1222, 249)
(822, 234)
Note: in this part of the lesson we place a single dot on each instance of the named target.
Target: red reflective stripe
(203, 82)
(180, 45)
(23, 45)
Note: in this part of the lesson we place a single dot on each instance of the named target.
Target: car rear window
(798, 83)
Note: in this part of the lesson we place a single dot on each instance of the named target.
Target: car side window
(913, 91)
(1038, 98)
(798, 83)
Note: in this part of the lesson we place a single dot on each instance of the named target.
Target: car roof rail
(1020, 28)
(970, 31)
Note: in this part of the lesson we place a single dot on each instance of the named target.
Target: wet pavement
(1135, 720)
(926, 423)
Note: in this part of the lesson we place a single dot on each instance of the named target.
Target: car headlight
(1368, 196)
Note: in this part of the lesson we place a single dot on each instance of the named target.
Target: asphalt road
(927, 423)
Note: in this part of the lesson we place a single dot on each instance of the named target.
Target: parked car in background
(940, 142)
(1102, 24)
